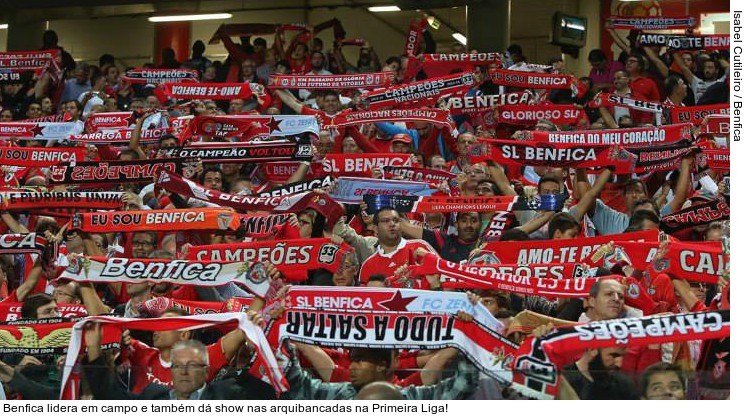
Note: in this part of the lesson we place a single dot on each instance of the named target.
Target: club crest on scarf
(328, 253)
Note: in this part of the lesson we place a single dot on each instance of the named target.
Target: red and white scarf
(530, 114)
(627, 138)
(650, 22)
(362, 164)
(696, 114)
(158, 76)
(248, 127)
(40, 157)
(32, 200)
(463, 104)
(115, 172)
(438, 117)
(530, 80)
(330, 82)
(419, 93)
(157, 220)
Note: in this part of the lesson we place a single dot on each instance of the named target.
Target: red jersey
(325, 119)
(386, 264)
(148, 367)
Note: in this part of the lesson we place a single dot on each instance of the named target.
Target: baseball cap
(402, 138)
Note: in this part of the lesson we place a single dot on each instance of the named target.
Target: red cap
(402, 138)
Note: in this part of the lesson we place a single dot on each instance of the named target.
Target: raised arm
(683, 184)
(654, 58)
(587, 202)
(134, 143)
(289, 100)
(499, 177)
(686, 73)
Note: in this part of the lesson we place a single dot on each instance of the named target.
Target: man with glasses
(190, 370)
(392, 250)
(143, 243)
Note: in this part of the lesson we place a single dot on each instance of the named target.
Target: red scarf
(12, 312)
(500, 222)
(419, 93)
(716, 124)
(530, 114)
(299, 187)
(248, 127)
(696, 114)
(660, 158)
(114, 172)
(530, 80)
(650, 22)
(22, 244)
(552, 155)
(437, 117)
(538, 361)
(462, 104)
(157, 220)
(160, 76)
(110, 120)
(40, 157)
(32, 201)
(18, 62)
(609, 99)
(209, 91)
(627, 138)
(437, 65)
(294, 258)
(331, 82)
(486, 277)
(418, 174)
(413, 38)
(43, 336)
(557, 251)
(717, 159)
(361, 165)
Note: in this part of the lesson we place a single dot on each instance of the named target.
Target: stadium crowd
(395, 240)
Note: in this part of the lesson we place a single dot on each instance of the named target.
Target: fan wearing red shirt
(642, 86)
(393, 251)
(153, 364)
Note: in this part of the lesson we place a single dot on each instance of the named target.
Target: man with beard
(710, 74)
(392, 250)
(595, 367)
(453, 247)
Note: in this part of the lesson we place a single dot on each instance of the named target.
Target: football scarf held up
(262, 226)
(441, 64)
(121, 136)
(243, 152)
(530, 114)
(157, 220)
(43, 336)
(696, 215)
(179, 272)
(14, 64)
(538, 361)
(156, 76)
(630, 137)
(462, 104)
(293, 258)
(331, 82)
(299, 187)
(608, 99)
(682, 42)
(486, 349)
(388, 299)
(651, 22)
(437, 117)
(530, 80)
(360, 164)
(419, 93)
(486, 277)
(716, 124)
(12, 312)
(40, 131)
(350, 190)
(413, 37)
(248, 127)
(115, 172)
(553, 155)
(552, 251)
(253, 334)
(447, 204)
(699, 262)
(419, 174)
(30, 243)
(40, 157)
(210, 91)
(34, 201)
(696, 114)
(717, 159)
(660, 157)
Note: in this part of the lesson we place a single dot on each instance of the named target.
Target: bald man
(380, 391)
